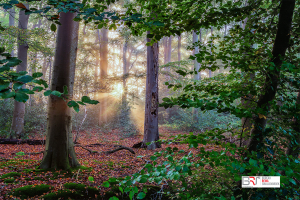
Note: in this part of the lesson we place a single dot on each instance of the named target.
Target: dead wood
(106, 152)
(16, 141)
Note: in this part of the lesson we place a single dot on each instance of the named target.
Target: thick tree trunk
(272, 77)
(151, 105)
(59, 153)
(103, 73)
(17, 127)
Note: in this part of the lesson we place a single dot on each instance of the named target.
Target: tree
(59, 152)
(103, 73)
(151, 105)
(280, 46)
(17, 127)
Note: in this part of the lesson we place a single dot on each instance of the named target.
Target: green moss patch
(31, 191)
(10, 175)
(90, 191)
(63, 194)
(9, 180)
(74, 191)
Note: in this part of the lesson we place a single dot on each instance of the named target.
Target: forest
(155, 100)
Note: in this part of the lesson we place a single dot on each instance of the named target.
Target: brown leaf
(20, 5)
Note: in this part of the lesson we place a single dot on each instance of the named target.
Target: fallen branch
(106, 152)
(16, 141)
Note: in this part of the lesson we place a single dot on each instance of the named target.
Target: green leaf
(53, 27)
(141, 195)
(37, 75)
(4, 85)
(91, 179)
(157, 23)
(2, 49)
(131, 194)
(252, 162)
(25, 79)
(56, 93)
(114, 198)
(105, 184)
(38, 89)
(21, 97)
(17, 86)
(143, 180)
(8, 95)
(85, 99)
(65, 90)
(47, 93)
(73, 104)
(293, 181)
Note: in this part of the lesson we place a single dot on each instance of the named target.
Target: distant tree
(17, 127)
(151, 133)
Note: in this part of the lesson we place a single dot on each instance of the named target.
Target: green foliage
(31, 191)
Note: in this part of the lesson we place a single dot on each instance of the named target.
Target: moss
(83, 189)
(31, 191)
(10, 180)
(10, 174)
(63, 194)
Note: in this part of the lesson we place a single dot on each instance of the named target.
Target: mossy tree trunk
(59, 152)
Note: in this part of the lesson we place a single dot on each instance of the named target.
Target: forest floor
(99, 166)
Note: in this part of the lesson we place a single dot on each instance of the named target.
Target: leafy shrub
(187, 120)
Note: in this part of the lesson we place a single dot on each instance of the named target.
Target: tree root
(106, 152)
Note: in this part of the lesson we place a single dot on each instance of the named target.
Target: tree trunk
(125, 47)
(12, 15)
(151, 105)
(103, 73)
(165, 43)
(269, 90)
(179, 49)
(196, 51)
(209, 71)
(17, 127)
(59, 153)
(247, 103)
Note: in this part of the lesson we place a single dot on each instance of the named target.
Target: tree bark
(59, 153)
(103, 73)
(247, 103)
(272, 77)
(17, 127)
(151, 106)
(11, 22)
